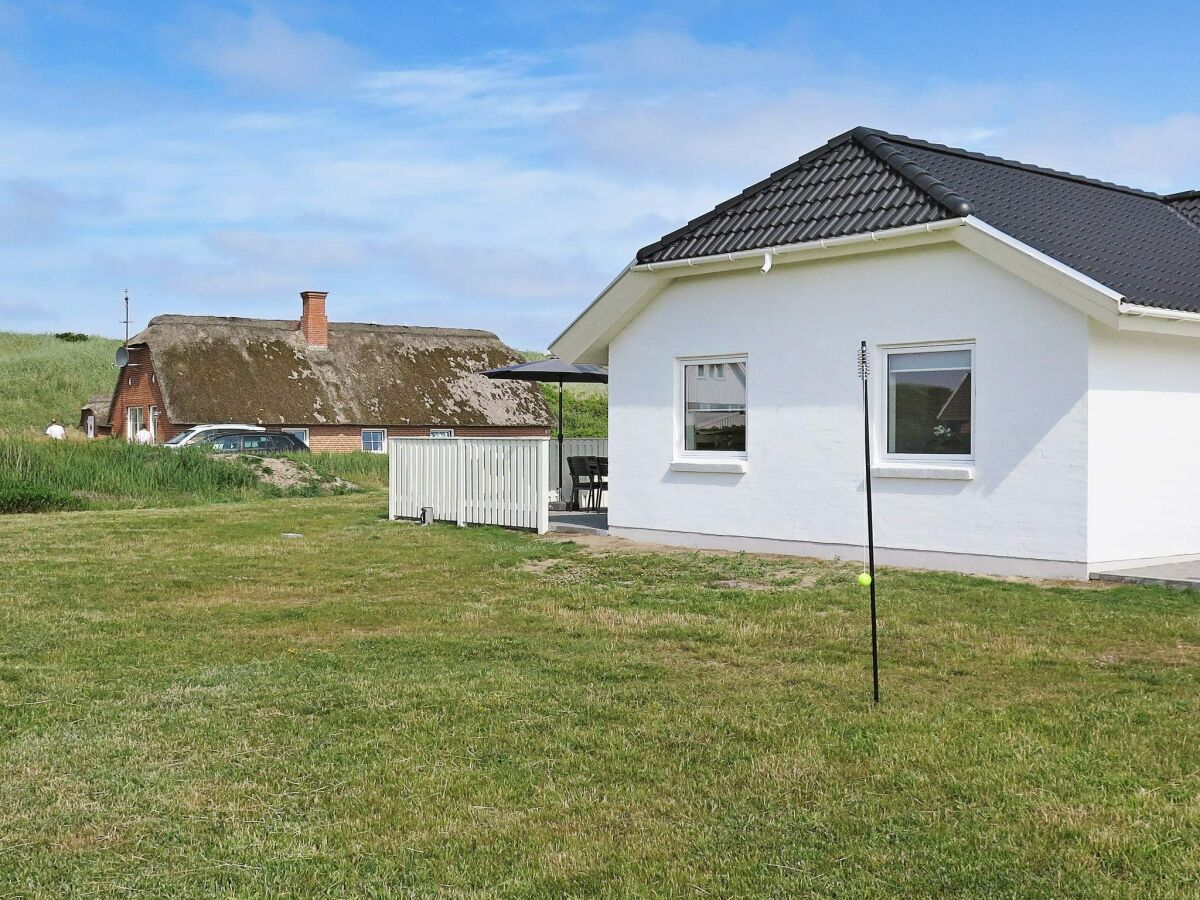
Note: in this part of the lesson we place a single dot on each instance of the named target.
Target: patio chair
(581, 479)
(599, 468)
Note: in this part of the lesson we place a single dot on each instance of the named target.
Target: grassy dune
(193, 706)
(585, 406)
(42, 377)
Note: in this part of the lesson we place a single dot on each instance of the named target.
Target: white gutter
(1153, 312)
(809, 246)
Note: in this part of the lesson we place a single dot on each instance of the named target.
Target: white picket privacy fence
(471, 481)
(572, 447)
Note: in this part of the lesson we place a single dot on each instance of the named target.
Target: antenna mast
(126, 319)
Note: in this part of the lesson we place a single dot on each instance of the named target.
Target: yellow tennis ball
(864, 578)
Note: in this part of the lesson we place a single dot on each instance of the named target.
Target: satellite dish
(122, 357)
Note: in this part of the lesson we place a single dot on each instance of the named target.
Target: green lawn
(192, 705)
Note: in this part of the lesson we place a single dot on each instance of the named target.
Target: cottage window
(930, 402)
(714, 406)
(373, 440)
(300, 434)
(133, 422)
(441, 432)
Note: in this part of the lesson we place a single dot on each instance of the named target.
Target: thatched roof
(224, 369)
(99, 407)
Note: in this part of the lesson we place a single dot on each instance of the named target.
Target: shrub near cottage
(19, 497)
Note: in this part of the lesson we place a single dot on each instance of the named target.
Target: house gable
(138, 385)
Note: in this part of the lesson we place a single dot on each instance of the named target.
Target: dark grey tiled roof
(1187, 204)
(845, 189)
(1143, 245)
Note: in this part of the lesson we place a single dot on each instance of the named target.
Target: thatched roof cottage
(336, 385)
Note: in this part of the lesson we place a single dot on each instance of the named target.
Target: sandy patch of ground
(287, 474)
(1187, 655)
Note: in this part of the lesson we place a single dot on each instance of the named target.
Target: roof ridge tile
(1013, 164)
(888, 153)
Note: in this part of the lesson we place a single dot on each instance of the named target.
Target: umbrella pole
(560, 441)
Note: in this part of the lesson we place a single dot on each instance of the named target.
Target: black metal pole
(864, 371)
(560, 441)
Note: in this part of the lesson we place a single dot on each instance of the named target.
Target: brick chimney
(313, 321)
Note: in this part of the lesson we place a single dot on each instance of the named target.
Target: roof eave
(587, 338)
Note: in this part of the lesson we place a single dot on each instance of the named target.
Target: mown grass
(193, 705)
(38, 475)
(42, 377)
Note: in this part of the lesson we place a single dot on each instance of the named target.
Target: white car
(187, 437)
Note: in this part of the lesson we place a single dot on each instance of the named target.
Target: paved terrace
(1184, 576)
(585, 522)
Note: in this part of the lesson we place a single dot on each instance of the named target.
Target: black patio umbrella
(553, 370)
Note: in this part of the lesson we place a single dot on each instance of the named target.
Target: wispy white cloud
(261, 51)
(507, 93)
(33, 210)
(500, 272)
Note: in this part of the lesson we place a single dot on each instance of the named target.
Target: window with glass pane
(372, 441)
(929, 402)
(714, 396)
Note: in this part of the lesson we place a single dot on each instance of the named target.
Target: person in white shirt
(143, 435)
(56, 432)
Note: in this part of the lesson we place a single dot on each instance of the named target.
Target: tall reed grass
(40, 475)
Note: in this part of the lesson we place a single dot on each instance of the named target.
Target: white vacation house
(1035, 378)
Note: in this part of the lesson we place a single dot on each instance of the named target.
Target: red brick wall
(344, 438)
(138, 386)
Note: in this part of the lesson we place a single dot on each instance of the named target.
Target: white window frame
(441, 433)
(131, 429)
(298, 433)
(382, 442)
(884, 416)
(683, 454)
(153, 415)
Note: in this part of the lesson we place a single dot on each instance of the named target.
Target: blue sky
(494, 164)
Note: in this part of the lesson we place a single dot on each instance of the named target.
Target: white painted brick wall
(1144, 446)
(801, 326)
